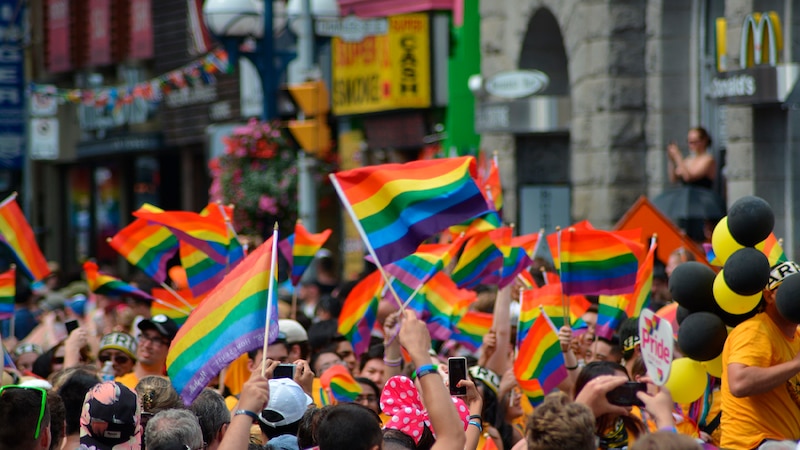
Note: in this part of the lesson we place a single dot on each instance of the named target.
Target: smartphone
(457, 371)
(625, 395)
(284, 371)
(71, 325)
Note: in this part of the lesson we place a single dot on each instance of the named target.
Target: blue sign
(12, 84)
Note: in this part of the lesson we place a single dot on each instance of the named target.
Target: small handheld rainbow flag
(398, 206)
(485, 222)
(417, 268)
(228, 323)
(103, 284)
(539, 358)
(8, 290)
(596, 262)
(480, 261)
(773, 249)
(146, 246)
(207, 233)
(471, 328)
(359, 311)
(438, 302)
(166, 303)
(493, 189)
(299, 249)
(342, 386)
(549, 299)
(16, 233)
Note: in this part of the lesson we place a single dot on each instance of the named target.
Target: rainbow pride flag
(480, 261)
(470, 329)
(614, 309)
(103, 284)
(299, 249)
(549, 299)
(338, 381)
(773, 249)
(493, 189)
(485, 222)
(16, 233)
(417, 268)
(398, 206)
(228, 323)
(437, 303)
(596, 262)
(8, 289)
(178, 310)
(711, 255)
(360, 310)
(146, 246)
(539, 358)
(209, 233)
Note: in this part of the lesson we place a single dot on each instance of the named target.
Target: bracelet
(393, 362)
(244, 412)
(475, 417)
(571, 367)
(476, 424)
(426, 369)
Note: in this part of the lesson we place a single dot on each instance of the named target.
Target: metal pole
(306, 190)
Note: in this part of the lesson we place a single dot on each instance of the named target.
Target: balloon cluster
(711, 302)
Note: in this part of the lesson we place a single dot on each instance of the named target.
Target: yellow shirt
(130, 380)
(758, 342)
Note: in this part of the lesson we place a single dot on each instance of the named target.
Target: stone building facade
(637, 75)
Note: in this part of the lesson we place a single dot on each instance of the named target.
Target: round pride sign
(656, 343)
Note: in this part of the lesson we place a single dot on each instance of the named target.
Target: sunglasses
(41, 409)
(119, 359)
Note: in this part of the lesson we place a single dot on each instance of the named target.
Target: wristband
(393, 362)
(244, 412)
(475, 417)
(423, 370)
(668, 429)
(476, 424)
(571, 367)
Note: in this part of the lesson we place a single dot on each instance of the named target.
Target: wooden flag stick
(270, 291)
(177, 296)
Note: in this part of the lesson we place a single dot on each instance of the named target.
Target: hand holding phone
(284, 371)
(625, 395)
(71, 325)
(457, 371)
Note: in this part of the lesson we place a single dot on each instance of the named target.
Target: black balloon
(732, 320)
(788, 298)
(750, 220)
(746, 271)
(681, 314)
(692, 286)
(702, 336)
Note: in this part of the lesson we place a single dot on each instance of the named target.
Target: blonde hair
(157, 394)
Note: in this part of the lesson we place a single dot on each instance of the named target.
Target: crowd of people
(104, 384)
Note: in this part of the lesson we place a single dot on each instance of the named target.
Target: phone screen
(284, 371)
(457, 371)
(71, 325)
(625, 395)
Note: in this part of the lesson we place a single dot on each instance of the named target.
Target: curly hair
(559, 423)
(157, 394)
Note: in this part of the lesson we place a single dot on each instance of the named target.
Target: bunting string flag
(228, 323)
(17, 234)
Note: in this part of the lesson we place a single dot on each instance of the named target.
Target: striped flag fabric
(549, 299)
(480, 261)
(17, 234)
(359, 311)
(773, 249)
(167, 304)
(417, 268)
(8, 290)
(104, 284)
(398, 206)
(596, 262)
(300, 248)
(146, 246)
(471, 328)
(539, 358)
(228, 323)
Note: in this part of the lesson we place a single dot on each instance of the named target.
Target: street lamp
(231, 21)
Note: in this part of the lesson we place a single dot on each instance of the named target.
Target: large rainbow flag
(360, 310)
(596, 262)
(228, 323)
(8, 289)
(16, 233)
(398, 206)
(300, 248)
(539, 358)
(104, 284)
(146, 246)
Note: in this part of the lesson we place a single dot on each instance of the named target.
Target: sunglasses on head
(119, 359)
(41, 409)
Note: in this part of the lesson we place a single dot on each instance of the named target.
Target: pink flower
(268, 204)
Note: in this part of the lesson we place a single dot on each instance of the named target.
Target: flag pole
(349, 208)
(230, 231)
(543, 271)
(564, 297)
(171, 306)
(270, 291)
(9, 199)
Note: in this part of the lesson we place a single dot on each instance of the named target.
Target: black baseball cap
(161, 323)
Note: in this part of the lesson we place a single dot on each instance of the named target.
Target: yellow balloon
(687, 380)
(722, 242)
(714, 367)
(730, 301)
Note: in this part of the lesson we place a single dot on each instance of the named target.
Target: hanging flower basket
(258, 175)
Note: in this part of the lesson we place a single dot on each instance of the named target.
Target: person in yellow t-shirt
(760, 382)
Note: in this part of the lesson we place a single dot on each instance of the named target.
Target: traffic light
(311, 132)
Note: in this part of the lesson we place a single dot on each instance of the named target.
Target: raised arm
(499, 361)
